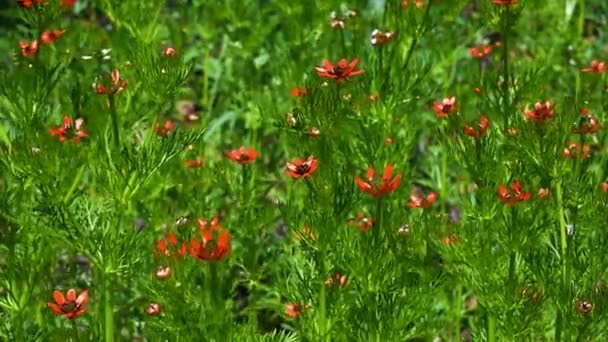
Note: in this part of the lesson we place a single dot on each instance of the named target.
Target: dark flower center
(302, 169)
(69, 307)
(337, 70)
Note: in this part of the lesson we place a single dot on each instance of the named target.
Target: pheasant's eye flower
(314, 132)
(337, 278)
(243, 156)
(505, 2)
(117, 85)
(379, 38)
(376, 186)
(340, 71)
(70, 130)
(362, 223)
(480, 131)
(204, 224)
(302, 168)
(293, 310)
(544, 193)
(299, 91)
(406, 3)
(584, 306)
(29, 3)
(29, 49)
(588, 124)
(163, 272)
(541, 111)
(449, 240)
(194, 163)
(169, 246)
(513, 195)
(162, 130)
(67, 3)
(336, 23)
(418, 201)
(446, 107)
(604, 187)
(48, 37)
(170, 52)
(573, 150)
(153, 309)
(71, 306)
(210, 247)
(480, 51)
(597, 67)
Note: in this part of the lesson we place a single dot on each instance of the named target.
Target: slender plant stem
(564, 253)
(115, 125)
(505, 70)
(108, 308)
(491, 328)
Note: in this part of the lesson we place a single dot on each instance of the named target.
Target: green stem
(491, 328)
(563, 255)
(115, 125)
(108, 307)
(505, 70)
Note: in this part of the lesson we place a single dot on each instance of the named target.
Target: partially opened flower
(243, 156)
(379, 186)
(70, 306)
(446, 107)
(513, 195)
(480, 51)
(196, 163)
(70, 130)
(214, 245)
(170, 246)
(49, 37)
(162, 129)
(302, 168)
(153, 309)
(379, 38)
(574, 151)
(541, 111)
(117, 84)
(596, 67)
(29, 49)
(170, 52)
(362, 223)
(505, 2)
(419, 201)
(299, 91)
(479, 131)
(340, 71)
(588, 123)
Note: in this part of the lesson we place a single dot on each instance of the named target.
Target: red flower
(418, 201)
(211, 248)
(243, 156)
(163, 272)
(118, 85)
(162, 130)
(70, 307)
(363, 223)
(406, 3)
(294, 310)
(446, 107)
(170, 52)
(194, 163)
(379, 187)
(544, 193)
(340, 71)
(70, 130)
(480, 131)
(480, 51)
(505, 2)
(589, 124)
(204, 224)
(379, 38)
(29, 49)
(314, 132)
(67, 3)
(597, 67)
(29, 3)
(573, 150)
(541, 111)
(49, 37)
(300, 168)
(337, 278)
(168, 246)
(153, 309)
(513, 195)
(449, 240)
(299, 92)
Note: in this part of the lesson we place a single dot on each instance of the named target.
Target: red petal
(55, 308)
(83, 298)
(59, 298)
(370, 173)
(71, 295)
(388, 172)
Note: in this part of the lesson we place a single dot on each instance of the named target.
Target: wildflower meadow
(294, 170)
